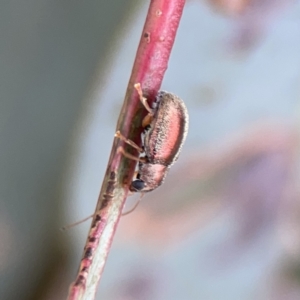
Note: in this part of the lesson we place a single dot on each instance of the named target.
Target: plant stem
(149, 68)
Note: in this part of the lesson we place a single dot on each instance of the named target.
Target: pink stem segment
(149, 68)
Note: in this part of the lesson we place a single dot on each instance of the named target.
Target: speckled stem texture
(149, 68)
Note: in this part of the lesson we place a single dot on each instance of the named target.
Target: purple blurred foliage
(243, 184)
(251, 18)
(139, 285)
(254, 196)
(256, 20)
(245, 176)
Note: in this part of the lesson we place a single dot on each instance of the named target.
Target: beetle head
(149, 177)
(137, 185)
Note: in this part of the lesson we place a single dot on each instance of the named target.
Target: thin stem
(149, 68)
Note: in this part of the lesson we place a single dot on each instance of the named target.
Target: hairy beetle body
(165, 131)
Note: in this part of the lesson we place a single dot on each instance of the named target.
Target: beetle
(165, 130)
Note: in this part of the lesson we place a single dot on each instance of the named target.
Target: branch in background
(149, 68)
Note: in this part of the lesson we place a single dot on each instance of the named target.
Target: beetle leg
(148, 119)
(119, 135)
(138, 88)
(130, 156)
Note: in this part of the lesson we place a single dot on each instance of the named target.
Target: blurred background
(226, 223)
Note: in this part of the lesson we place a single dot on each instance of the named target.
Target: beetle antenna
(67, 227)
(134, 207)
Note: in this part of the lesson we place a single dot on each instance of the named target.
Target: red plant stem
(149, 68)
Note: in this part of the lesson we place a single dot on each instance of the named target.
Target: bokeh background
(226, 223)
